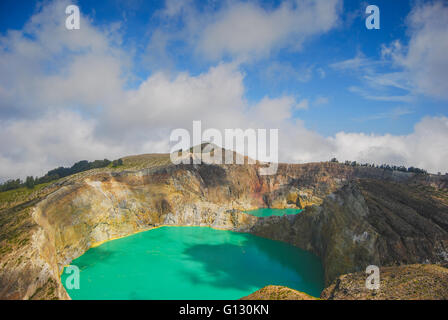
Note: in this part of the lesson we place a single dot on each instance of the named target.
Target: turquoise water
(266, 212)
(192, 263)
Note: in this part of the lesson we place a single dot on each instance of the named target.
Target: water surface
(192, 263)
(267, 212)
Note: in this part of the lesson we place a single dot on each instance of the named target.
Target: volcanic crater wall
(368, 222)
(349, 221)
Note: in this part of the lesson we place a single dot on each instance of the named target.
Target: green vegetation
(10, 185)
(382, 166)
(117, 163)
(19, 195)
(80, 166)
(145, 161)
(30, 182)
(58, 173)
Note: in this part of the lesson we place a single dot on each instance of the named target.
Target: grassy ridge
(13, 197)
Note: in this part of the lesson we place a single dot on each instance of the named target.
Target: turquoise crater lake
(192, 263)
(267, 212)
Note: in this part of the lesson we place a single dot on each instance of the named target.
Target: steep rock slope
(278, 293)
(409, 282)
(368, 222)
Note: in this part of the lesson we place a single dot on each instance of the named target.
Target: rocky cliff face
(278, 293)
(407, 282)
(93, 209)
(349, 225)
(368, 222)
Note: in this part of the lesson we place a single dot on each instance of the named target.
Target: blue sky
(330, 80)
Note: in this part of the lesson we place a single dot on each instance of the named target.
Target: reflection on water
(267, 212)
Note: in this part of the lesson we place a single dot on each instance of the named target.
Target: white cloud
(303, 104)
(64, 99)
(278, 73)
(166, 101)
(322, 73)
(392, 114)
(374, 85)
(175, 7)
(270, 113)
(424, 58)
(247, 30)
(33, 146)
(425, 147)
(358, 63)
(391, 79)
(46, 63)
(370, 94)
(422, 63)
(320, 100)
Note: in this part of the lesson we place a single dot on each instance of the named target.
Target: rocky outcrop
(409, 282)
(278, 293)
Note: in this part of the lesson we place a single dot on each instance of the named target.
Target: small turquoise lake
(192, 263)
(267, 212)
